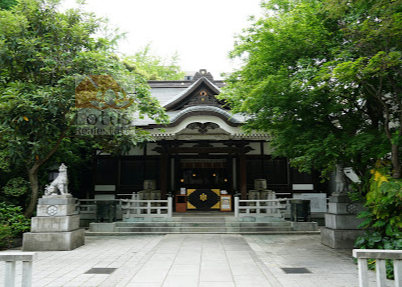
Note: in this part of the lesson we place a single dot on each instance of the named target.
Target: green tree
(7, 4)
(42, 53)
(323, 78)
(154, 67)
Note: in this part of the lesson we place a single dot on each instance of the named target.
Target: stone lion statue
(60, 184)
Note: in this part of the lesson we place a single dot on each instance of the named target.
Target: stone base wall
(341, 223)
(56, 228)
(53, 241)
(55, 223)
(339, 239)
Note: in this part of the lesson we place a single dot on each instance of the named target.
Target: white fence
(380, 255)
(267, 207)
(146, 208)
(128, 208)
(11, 259)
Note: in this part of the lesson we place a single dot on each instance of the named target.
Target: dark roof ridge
(190, 89)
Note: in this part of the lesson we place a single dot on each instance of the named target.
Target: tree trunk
(33, 176)
(396, 173)
(34, 183)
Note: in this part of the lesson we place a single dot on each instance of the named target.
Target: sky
(200, 31)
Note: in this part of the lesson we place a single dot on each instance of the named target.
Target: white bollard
(170, 206)
(381, 274)
(9, 278)
(398, 273)
(236, 206)
(363, 274)
(26, 274)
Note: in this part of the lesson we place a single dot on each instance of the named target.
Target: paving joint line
(272, 280)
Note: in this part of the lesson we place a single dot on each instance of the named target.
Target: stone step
(201, 229)
(89, 233)
(219, 227)
(203, 224)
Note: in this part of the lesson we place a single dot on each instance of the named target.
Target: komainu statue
(340, 179)
(60, 184)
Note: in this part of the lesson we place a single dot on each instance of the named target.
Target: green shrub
(16, 186)
(11, 216)
(6, 236)
(383, 218)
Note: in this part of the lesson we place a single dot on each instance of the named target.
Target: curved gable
(201, 92)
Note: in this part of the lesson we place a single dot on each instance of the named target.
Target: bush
(12, 217)
(6, 236)
(383, 219)
(16, 187)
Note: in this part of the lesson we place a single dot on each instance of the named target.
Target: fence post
(380, 255)
(398, 273)
(10, 259)
(170, 206)
(381, 273)
(26, 274)
(10, 274)
(363, 276)
(236, 206)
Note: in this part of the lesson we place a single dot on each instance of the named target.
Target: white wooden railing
(146, 208)
(266, 207)
(380, 255)
(11, 258)
(129, 207)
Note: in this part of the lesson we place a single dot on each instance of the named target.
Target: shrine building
(203, 148)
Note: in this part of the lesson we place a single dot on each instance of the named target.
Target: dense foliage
(12, 223)
(324, 79)
(7, 4)
(383, 217)
(42, 54)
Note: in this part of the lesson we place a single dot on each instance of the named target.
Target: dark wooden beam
(205, 150)
(243, 176)
(164, 171)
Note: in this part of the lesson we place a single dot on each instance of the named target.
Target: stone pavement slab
(328, 267)
(202, 260)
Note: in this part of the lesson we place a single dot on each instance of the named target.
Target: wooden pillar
(229, 171)
(118, 179)
(243, 175)
(164, 172)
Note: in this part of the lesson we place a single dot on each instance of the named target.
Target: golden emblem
(203, 197)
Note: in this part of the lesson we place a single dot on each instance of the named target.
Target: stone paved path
(196, 260)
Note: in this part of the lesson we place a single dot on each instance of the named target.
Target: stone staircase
(208, 225)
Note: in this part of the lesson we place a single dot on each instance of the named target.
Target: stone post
(56, 226)
(341, 222)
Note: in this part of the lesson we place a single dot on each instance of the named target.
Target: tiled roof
(207, 109)
(183, 94)
(170, 92)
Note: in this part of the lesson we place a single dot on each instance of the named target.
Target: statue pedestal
(341, 222)
(56, 226)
